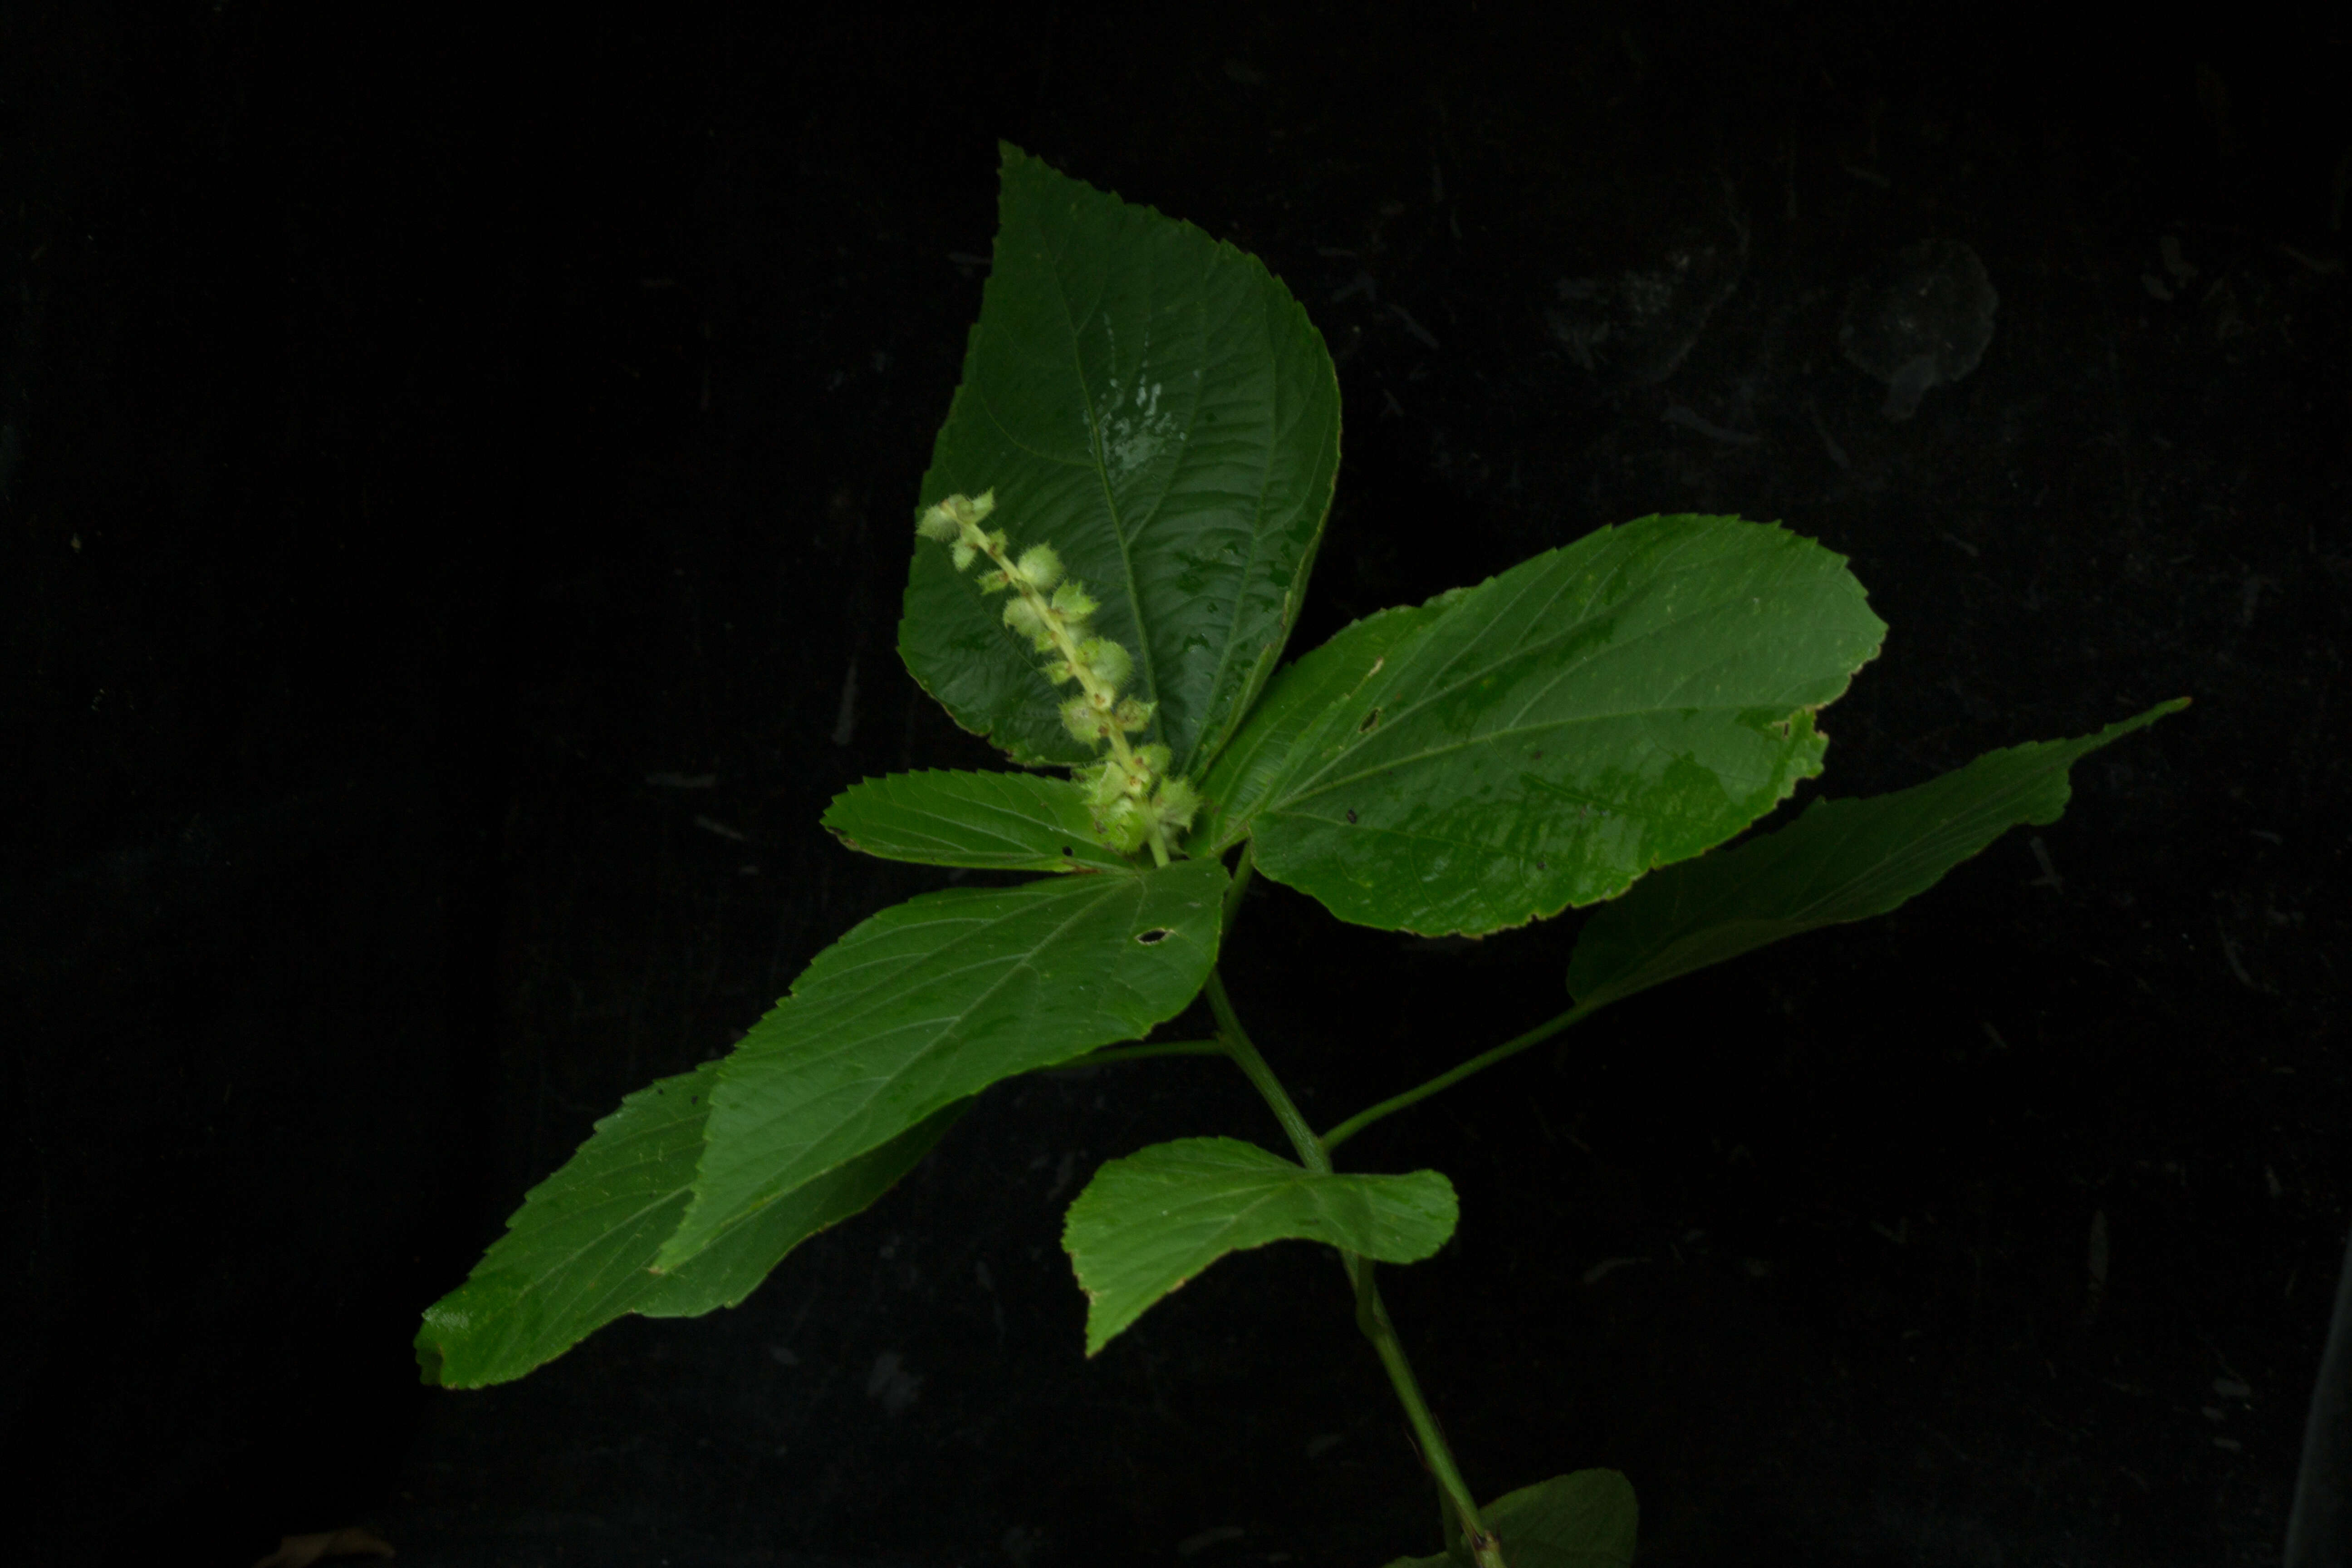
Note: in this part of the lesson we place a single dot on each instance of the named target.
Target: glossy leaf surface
(934, 1000)
(1154, 405)
(1148, 1221)
(1842, 860)
(1545, 738)
(580, 1251)
(1585, 1520)
(1005, 821)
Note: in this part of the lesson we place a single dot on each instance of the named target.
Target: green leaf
(580, 1251)
(1546, 737)
(1842, 860)
(1155, 406)
(1585, 1520)
(1301, 694)
(934, 1000)
(1004, 821)
(1151, 1221)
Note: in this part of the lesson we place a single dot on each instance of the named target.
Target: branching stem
(1245, 868)
(1246, 1056)
(1452, 1076)
(1371, 1312)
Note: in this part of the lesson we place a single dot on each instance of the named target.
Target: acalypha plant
(1140, 460)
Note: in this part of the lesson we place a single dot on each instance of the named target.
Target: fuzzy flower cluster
(1133, 801)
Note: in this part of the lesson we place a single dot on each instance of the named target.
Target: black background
(417, 438)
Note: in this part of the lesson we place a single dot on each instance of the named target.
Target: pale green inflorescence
(1133, 801)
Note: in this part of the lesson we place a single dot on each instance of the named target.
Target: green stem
(1372, 1317)
(1372, 1313)
(1447, 1079)
(1244, 869)
(1239, 1047)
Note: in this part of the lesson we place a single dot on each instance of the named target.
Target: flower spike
(1129, 794)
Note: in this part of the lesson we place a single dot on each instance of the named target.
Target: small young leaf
(1585, 1520)
(1842, 860)
(1547, 736)
(1151, 1221)
(1156, 406)
(933, 1001)
(1005, 821)
(579, 1252)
